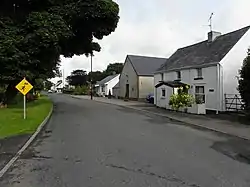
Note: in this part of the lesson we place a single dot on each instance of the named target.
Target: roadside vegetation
(244, 84)
(34, 35)
(11, 118)
(79, 82)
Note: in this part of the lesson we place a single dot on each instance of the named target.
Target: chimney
(212, 35)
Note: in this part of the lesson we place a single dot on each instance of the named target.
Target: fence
(234, 102)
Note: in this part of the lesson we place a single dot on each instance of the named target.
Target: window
(162, 77)
(178, 73)
(199, 94)
(199, 73)
(163, 92)
(103, 89)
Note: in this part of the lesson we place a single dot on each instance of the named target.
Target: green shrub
(80, 90)
(198, 99)
(68, 91)
(181, 100)
(244, 83)
(18, 99)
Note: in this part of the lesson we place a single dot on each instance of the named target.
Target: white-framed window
(199, 72)
(103, 88)
(200, 94)
(163, 92)
(178, 75)
(162, 77)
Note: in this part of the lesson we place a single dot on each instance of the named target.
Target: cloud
(159, 27)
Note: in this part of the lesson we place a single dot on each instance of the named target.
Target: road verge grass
(12, 122)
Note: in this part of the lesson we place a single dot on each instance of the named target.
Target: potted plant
(199, 107)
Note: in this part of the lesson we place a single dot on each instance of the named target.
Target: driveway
(93, 144)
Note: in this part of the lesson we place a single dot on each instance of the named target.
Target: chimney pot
(212, 35)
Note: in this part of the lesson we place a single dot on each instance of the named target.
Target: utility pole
(14, 6)
(91, 81)
(63, 76)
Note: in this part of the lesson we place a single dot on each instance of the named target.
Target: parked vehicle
(150, 98)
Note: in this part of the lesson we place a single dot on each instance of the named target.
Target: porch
(168, 88)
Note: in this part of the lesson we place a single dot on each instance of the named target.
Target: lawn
(12, 122)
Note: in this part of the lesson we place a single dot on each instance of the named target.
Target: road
(91, 144)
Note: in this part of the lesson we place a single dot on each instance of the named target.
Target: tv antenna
(210, 21)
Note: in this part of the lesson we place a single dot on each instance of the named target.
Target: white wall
(209, 81)
(146, 86)
(232, 64)
(111, 84)
(131, 79)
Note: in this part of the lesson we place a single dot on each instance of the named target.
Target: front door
(127, 91)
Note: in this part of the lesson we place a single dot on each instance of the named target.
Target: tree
(77, 78)
(110, 70)
(95, 76)
(113, 68)
(34, 33)
(48, 84)
(38, 85)
(244, 82)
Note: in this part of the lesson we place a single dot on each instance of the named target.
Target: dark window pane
(163, 92)
(199, 72)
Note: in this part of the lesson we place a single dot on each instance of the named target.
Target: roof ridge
(235, 31)
(147, 56)
(200, 53)
(217, 37)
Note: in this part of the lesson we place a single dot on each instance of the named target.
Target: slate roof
(145, 66)
(204, 52)
(106, 79)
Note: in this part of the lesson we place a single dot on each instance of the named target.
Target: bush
(1, 96)
(68, 91)
(244, 82)
(181, 100)
(18, 99)
(30, 97)
(80, 90)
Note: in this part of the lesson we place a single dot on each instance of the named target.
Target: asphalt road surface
(91, 144)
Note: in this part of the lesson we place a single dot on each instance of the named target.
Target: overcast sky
(160, 27)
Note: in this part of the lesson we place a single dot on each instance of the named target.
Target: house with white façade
(210, 68)
(105, 86)
(137, 77)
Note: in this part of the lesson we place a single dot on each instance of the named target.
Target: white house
(106, 85)
(210, 68)
(137, 77)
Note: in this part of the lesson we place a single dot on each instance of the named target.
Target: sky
(159, 27)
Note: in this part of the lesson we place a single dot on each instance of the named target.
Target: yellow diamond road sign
(24, 86)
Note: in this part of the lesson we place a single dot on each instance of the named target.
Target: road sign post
(24, 87)
(24, 107)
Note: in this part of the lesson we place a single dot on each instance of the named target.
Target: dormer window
(162, 77)
(178, 75)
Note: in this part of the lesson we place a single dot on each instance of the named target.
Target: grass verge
(12, 122)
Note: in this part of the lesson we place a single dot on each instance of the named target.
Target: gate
(234, 102)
